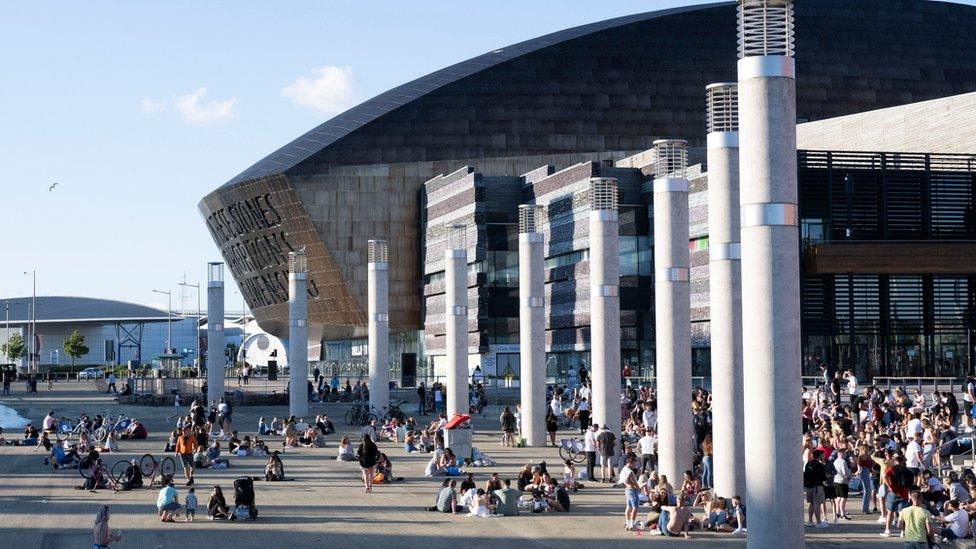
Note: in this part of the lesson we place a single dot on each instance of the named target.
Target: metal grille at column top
(603, 194)
(765, 28)
(457, 237)
(377, 251)
(670, 158)
(722, 107)
(297, 262)
(530, 216)
(215, 271)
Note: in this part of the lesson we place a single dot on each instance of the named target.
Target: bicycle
(572, 449)
(98, 474)
(118, 426)
(394, 411)
(66, 429)
(358, 414)
(150, 467)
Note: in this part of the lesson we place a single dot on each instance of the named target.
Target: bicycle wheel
(564, 454)
(398, 415)
(147, 464)
(350, 416)
(85, 469)
(578, 457)
(101, 434)
(370, 417)
(118, 470)
(168, 466)
(62, 433)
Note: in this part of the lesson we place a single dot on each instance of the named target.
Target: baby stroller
(244, 507)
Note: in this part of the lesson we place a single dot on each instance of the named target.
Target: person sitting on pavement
(61, 458)
(131, 477)
(346, 451)
(275, 469)
(447, 499)
(136, 430)
(675, 521)
(507, 499)
(217, 506)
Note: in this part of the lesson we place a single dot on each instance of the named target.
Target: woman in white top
(842, 479)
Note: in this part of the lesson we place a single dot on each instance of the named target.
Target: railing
(937, 383)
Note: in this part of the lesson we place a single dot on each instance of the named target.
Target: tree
(14, 347)
(75, 346)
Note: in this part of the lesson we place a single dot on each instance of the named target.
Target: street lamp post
(169, 318)
(196, 330)
(32, 323)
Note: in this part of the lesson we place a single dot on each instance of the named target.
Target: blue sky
(138, 109)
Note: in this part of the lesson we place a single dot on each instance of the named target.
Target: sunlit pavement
(324, 504)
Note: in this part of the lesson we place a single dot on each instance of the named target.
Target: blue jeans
(706, 479)
(867, 489)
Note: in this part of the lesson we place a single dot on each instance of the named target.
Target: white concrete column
(725, 289)
(378, 306)
(672, 308)
(215, 331)
(298, 334)
(770, 272)
(456, 316)
(605, 303)
(456, 313)
(532, 325)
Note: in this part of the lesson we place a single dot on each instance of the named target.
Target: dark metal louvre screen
(906, 304)
(952, 311)
(891, 196)
(857, 305)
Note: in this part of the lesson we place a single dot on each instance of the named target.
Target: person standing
(438, 399)
(707, 477)
(103, 536)
(583, 412)
(842, 480)
(184, 450)
(507, 420)
(631, 491)
(589, 449)
(421, 398)
(814, 476)
(647, 444)
(606, 443)
(864, 469)
(914, 521)
(111, 383)
(368, 455)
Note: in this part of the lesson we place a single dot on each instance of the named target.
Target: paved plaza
(324, 504)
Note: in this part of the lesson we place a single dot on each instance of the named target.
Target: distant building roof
(62, 309)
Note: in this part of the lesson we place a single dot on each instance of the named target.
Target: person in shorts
(167, 503)
(814, 476)
(190, 503)
(184, 449)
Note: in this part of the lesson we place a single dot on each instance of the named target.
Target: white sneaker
(823, 525)
(881, 519)
(738, 532)
(885, 534)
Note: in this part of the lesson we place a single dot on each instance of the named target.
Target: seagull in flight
(51, 188)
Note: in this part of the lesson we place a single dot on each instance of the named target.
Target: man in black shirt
(606, 444)
(814, 476)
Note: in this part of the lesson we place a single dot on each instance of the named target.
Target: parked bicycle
(157, 471)
(572, 449)
(67, 428)
(117, 426)
(358, 414)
